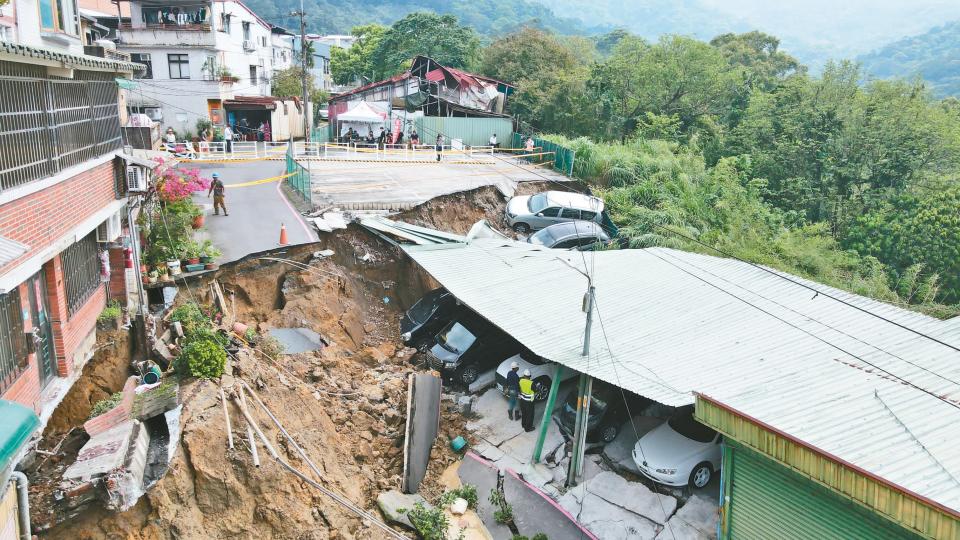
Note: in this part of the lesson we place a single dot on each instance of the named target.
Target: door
(545, 218)
(569, 214)
(43, 331)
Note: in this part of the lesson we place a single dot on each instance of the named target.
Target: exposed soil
(344, 404)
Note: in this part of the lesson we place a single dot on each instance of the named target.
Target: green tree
(440, 37)
(289, 82)
(357, 62)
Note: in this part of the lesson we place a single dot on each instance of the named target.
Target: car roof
(576, 228)
(574, 200)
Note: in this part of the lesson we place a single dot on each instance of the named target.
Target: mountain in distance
(934, 56)
(490, 18)
(814, 31)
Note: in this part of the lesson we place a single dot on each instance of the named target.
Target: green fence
(472, 131)
(562, 156)
(299, 180)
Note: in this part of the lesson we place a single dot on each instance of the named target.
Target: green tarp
(17, 424)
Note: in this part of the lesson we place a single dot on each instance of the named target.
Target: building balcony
(194, 35)
(103, 52)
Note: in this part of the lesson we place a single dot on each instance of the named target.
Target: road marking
(261, 181)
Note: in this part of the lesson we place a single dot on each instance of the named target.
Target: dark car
(608, 411)
(570, 235)
(424, 319)
(469, 345)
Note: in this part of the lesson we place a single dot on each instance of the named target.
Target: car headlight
(405, 336)
(667, 471)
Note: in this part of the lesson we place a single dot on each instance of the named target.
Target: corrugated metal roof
(670, 323)
(10, 250)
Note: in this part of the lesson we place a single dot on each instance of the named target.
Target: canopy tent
(362, 118)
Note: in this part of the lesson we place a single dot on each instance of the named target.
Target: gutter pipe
(23, 503)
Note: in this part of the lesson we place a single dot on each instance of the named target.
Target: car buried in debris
(467, 346)
(426, 317)
(530, 213)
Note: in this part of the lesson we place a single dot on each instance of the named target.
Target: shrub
(504, 512)
(110, 313)
(105, 405)
(465, 492)
(191, 318)
(204, 358)
(431, 523)
(272, 347)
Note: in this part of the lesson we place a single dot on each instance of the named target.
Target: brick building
(64, 204)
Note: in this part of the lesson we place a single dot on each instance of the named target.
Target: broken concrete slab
(103, 453)
(521, 446)
(395, 506)
(632, 496)
(493, 425)
(678, 529)
(116, 416)
(534, 512)
(423, 419)
(484, 476)
(700, 513)
(611, 522)
(619, 452)
(297, 340)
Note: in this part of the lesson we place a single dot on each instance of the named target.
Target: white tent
(362, 118)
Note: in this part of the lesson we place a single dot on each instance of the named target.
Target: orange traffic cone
(283, 234)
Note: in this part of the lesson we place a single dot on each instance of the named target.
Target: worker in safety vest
(526, 401)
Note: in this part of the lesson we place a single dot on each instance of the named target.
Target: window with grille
(13, 343)
(81, 271)
(142, 58)
(179, 66)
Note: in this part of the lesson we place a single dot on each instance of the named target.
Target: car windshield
(537, 203)
(685, 425)
(423, 309)
(456, 338)
(598, 403)
(543, 237)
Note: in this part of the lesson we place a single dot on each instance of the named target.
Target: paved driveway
(256, 212)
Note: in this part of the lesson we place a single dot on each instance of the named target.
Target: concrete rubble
(395, 505)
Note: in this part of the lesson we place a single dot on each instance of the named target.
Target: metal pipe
(548, 412)
(23, 503)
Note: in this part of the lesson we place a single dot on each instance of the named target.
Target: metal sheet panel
(473, 131)
(770, 501)
(670, 323)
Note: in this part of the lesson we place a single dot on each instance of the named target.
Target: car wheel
(469, 374)
(541, 388)
(700, 475)
(521, 228)
(424, 346)
(609, 433)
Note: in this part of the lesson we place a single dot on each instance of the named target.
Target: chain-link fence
(299, 179)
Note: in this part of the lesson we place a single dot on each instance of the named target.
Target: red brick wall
(118, 275)
(69, 331)
(41, 218)
(26, 389)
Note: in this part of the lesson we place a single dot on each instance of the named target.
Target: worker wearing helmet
(513, 390)
(526, 401)
(217, 188)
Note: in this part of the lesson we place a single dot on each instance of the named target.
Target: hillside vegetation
(933, 56)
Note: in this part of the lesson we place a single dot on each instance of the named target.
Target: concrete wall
(28, 31)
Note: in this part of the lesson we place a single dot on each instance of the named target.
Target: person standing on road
(526, 401)
(217, 188)
(513, 390)
(228, 138)
(439, 146)
(381, 139)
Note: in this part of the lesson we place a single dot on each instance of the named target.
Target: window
(570, 213)
(13, 343)
(551, 212)
(179, 66)
(253, 74)
(209, 68)
(225, 22)
(143, 58)
(58, 16)
(587, 215)
(81, 271)
(263, 41)
(246, 31)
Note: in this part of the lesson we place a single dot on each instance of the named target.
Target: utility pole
(303, 73)
(584, 391)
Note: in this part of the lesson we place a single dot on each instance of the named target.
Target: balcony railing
(103, 52)
(47, 125)
(188, 27)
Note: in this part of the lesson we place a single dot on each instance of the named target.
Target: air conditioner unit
(249, 45)
(136, 179)
(109, 230)
(154, 113)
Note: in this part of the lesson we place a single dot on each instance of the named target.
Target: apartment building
(196, 55)
(64, 200)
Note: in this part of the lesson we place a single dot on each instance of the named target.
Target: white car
(679, 452)
(541, 371)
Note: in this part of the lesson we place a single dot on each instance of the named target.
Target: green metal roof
(17, 424)
(70, 60)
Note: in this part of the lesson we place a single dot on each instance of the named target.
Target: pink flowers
(175, 184)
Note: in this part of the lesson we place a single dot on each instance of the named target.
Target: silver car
(529, 213)
(570, 235)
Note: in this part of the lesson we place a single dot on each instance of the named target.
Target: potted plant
(152, 276)
(208, 253)
(227, 76)
(163, 271)
(191, 252)
(198, 218)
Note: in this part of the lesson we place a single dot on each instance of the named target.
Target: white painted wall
(27, 30)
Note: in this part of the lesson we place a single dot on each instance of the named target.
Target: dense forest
(488, 17)
(733, 145)
(933, 56)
